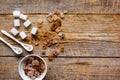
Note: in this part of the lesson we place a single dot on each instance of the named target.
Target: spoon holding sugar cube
(27, 47)
(15, 49)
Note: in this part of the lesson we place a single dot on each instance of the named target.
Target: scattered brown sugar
(36, 43)
(59, 29)
(62, 15)
(56, 24)
(50, 19)
(65, 11)
(53, 27)
(53, 42)
(49, 42)
(48, 38)
(43, 52)
(56, 11)
(55, 17)
(33, 67)
(44, 47)
(51, 14)
(29, 39)
(39, 23)
(46, 34)
(50, 57)
(45, 42)
(62, 48)
(55, 52)
(62, 35)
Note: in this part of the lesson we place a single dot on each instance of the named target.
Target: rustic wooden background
(92, 44)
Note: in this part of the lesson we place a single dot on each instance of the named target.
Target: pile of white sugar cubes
(20, 16)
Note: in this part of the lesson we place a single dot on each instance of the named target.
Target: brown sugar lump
(56, 24)
(55, 17)
(55, 52)
(44, 47)
(35, 62)
(54, 27)
(51, 14)
(62, 48)
(50, 57)
(56, 11)
(39, 23)
(59, 29)
(43, 52)
(30, 73)
(50, 19)
(65, 11)
(62, 15)
(53, 42)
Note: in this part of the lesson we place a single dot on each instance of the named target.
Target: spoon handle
(17, 50)
(27, 47)
(8, 44)
(10, 36)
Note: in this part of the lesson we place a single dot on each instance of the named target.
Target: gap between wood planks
(71, 56)
(66, 14)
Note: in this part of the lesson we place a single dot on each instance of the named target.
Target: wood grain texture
(91, 35)
(72, 23)
(67, 69)
(73, 6)
(92, 42)
(74, 49)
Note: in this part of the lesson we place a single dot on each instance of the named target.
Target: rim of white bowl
(21, 71)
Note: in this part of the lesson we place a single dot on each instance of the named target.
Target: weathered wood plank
(72, 23)
(79, 27)
(73, 6)
(67, 69)
(84, 32)
(75, 49)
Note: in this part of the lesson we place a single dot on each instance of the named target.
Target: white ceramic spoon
(27, 47)
(17, 50)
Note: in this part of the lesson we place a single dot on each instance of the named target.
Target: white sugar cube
(23, 17)
(16, 22)
(14, 31)
(27, 23)
(16, 13)
(22, 35)
(34, 31)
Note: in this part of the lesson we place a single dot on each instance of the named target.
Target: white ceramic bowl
(21, 70)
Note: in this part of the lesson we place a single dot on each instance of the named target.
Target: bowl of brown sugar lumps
(32, 67)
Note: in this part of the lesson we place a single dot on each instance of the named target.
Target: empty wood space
(92, 42)
(67, 68)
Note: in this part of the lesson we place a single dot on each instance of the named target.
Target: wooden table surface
(92, 44)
